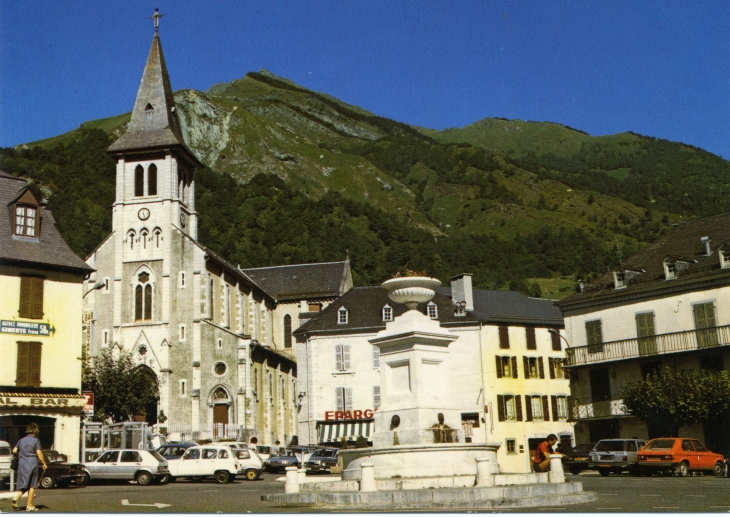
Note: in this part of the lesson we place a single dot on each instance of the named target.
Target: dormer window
(619, 279)
(670, 270)
(724, 259)
(387, 313)
(26, 220)
(342, 316)
(460, 309)
(432, 311)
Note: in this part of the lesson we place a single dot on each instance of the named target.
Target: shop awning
(336, 431)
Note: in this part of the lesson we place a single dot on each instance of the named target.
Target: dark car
(578, 457)
(291, 457)
(323, 460)
(60, 473)
(173, 451)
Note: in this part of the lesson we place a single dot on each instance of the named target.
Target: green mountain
(294, 176)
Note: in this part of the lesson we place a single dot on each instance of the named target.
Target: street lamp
(97, 285)
(557, 333)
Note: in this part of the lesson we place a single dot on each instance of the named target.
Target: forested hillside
(296, 176)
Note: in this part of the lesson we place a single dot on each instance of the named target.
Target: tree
(122, 389)
(671, 398)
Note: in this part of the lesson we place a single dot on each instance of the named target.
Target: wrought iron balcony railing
(649, 346)
(589, 408)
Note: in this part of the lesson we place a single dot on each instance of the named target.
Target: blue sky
(655, 68)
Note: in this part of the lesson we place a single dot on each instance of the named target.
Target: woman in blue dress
(29, 454)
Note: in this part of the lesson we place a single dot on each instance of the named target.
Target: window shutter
(551, 363)
(528, 408)
(518, 409)
(514, 367)
(500, 408)
(499, 367)
(346, 357)
(546, 408)
(37, 298)
(348, 399)
(541, 367)
(566, 372)
(338, 358)
(340, 403)
(376, 397)
(526, 364)
(554, 403)
(531, 341)
(503, 337)
(556, 340)
(376, 356)
(25, 297)
(23, 369)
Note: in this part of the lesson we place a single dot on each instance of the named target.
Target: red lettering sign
(357, 414)
(339, 415)
(368, 413)
(329, 415)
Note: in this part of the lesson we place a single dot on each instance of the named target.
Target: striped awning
(336, 431)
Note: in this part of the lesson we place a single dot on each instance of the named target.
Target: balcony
(649, 346)
(588, 409)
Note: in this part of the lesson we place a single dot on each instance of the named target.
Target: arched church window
(139, 181)
(131, 235)
(211, 290)
(287, 331)
(152, 180)
(157, 233)
(143, 237)
(143, 298)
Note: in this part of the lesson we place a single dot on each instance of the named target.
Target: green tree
(671, 398)
(122, 389)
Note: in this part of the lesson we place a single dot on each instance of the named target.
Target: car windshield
(583, 447)
(659, 445)
(157, 456)
(52, 456)
(325, 454)
(610, 446)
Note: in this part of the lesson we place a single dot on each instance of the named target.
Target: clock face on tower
(183, 220)
(143, 214)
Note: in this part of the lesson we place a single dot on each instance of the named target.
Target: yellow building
(40, 323)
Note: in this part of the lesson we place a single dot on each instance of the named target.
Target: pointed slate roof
(298, 281)
(154, 122)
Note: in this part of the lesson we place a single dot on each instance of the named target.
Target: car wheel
(682, 470)
(222, 477)
(719, 469)
(48, 482)
(604, 472)
(252, 474)
(574, 470)
(83, 480)
(164, 479)
(144, 478)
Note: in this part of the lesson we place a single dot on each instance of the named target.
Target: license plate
(580, 458)
(603, 465)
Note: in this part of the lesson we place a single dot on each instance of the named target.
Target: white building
(506, 364)
(666, 306)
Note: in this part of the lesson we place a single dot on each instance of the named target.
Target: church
(216, 338)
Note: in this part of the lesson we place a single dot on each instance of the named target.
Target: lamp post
(557, 333)
(97, 285)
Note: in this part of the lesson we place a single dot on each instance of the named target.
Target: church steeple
(154, 123)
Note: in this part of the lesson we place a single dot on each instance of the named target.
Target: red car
(680, 455)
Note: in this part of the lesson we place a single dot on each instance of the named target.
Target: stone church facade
(202, 326)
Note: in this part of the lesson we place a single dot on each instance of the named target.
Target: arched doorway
(221, 402)
(146, 388)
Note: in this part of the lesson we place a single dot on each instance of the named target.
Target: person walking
(541, 461)
(29, 454)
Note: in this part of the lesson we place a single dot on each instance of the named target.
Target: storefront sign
(88, 410)
(357, 414)
(26, 328)
(41, 401)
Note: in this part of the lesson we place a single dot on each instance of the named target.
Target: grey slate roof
(364, 306)
(154, 122)
(301, 281)
(682, 243)
(48, 249)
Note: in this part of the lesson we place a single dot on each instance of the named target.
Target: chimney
(707, 241)
(461, 290)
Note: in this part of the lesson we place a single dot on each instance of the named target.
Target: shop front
(339, 426)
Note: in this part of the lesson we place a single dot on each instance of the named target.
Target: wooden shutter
(541, 367)
(528, 408)
(518, 408)
(531, 341)
(22, 375)
(503, 337)
(556, 340)
(37, 298)
(554, 403)
(545, 408)
(500, 408)
(340, 403)
(348, 399)
(526, 365)
(514, 367)
(499, 367)
(26, 286)
(551, 362)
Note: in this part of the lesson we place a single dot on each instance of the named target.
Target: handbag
(14, 463)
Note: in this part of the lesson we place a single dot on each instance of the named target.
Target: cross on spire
(156, 18)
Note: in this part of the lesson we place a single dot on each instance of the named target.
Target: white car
(5, 456)
(220, 461)
(142, 466)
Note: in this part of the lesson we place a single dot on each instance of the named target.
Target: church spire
(154, 122)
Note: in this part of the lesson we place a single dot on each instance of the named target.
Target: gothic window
(143, 237)
(287, 331)
(211, 305)
(131, 235)
(138, 181)
(158, 234)
(143, 298)
(152, 180)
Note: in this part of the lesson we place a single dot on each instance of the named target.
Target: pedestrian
(253, 443)
(275, 448)
(29, 454)
(541, 461)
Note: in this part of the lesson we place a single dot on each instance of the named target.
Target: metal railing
(648, 346)
(590, 408)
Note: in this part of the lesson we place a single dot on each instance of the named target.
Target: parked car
(578, 457)
(5, 456)
(264, 451)
(60, 473)
(173, 451)
(219, 461)
(323, 460)
(679, 455)
(616, 455)
(290, 457)
(129, 464)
